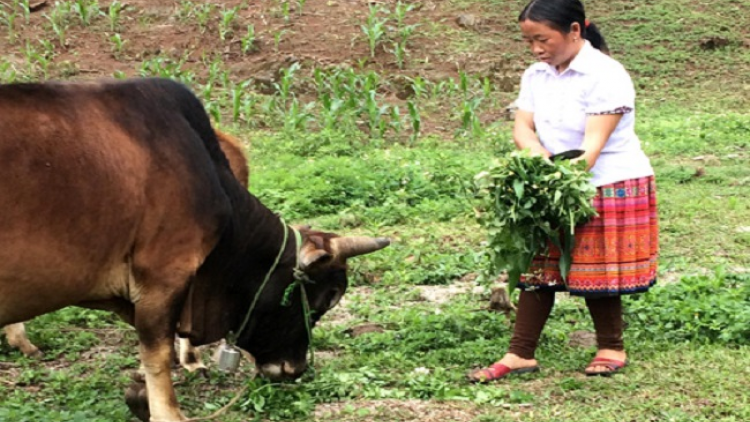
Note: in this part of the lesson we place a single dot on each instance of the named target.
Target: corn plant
(8, 73)
(399, 13)
(297, 117)
(8, 17)
(301, 6)
(186, 10)
(332, 109)
(470, 123)
(238, 92)
(375, 113)
(445, 88)
(284, 86)
(277, 39)
(117, 45)
(374, 29)
(26, 9)
(418, 86)
(36, 59)
(87, 11)
(416, 121)
(395, 122)
(59, 19)
(249, 103)
(228, 17)
(203, 15)
(247, 43)
(285, 10)
(213, 108)
(113, 14)
(167, 68)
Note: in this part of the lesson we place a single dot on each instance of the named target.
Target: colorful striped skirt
(615, 253)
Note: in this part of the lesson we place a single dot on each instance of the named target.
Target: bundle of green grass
(526, 202)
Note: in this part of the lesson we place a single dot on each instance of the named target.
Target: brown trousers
(534, 309)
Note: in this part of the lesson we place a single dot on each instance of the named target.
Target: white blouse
(593, 83)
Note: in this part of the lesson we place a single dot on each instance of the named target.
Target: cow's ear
(310, 255)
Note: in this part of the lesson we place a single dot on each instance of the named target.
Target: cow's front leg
(155, 324)
(190, 358)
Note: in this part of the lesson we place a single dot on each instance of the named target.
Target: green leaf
(518, 187)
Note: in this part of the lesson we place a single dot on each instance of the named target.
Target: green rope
(300, 279)
(232, 337)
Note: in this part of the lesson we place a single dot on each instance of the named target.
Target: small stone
(467, 20)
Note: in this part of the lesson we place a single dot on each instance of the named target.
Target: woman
(577, 97)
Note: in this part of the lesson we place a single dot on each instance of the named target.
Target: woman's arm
(524, 134)
(597, 132)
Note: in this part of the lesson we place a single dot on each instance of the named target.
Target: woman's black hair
(560, 15)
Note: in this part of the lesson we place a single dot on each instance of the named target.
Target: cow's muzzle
(282, 371)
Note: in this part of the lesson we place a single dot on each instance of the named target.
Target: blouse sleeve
(613, 93)
(525, 100)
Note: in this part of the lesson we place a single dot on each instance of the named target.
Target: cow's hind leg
(17, 338)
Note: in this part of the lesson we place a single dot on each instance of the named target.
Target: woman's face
(550, 45)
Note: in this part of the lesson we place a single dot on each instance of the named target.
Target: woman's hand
(524, 134)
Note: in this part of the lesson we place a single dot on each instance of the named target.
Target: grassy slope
(692, 104)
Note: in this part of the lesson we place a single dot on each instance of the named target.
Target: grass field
(383, 142)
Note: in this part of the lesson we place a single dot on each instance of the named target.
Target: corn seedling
(301, 6)
(374, 29)
(247, 43)
(277, 39)
(36, 60)
(470, 123)
(375, 115)
(249, 102)
(418, 86)
(119, 74)
(285, 10)
(228, 17)
(8, 17)
(8, 73)
(113, 14)
(297, 117)
(395, 122)
(416, 121)
(203, 15)
(87, 11)
(284, 86)
(186, 10)
(167, 68)
(399, 13)
(117, 45)
(214, 110)
(238, 92)
(59, 19)
(25, 9)
(331, 111)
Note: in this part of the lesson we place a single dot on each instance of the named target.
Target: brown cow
(116, 196)
(188, 356)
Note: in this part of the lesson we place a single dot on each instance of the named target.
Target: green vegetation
(363, 146)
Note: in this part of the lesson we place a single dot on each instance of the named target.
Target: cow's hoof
(136, 397)
(34, 354)
(203, 373)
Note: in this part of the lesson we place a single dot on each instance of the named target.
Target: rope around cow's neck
(300, 278)
(233, 337)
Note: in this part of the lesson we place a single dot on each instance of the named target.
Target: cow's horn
(347, 247)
